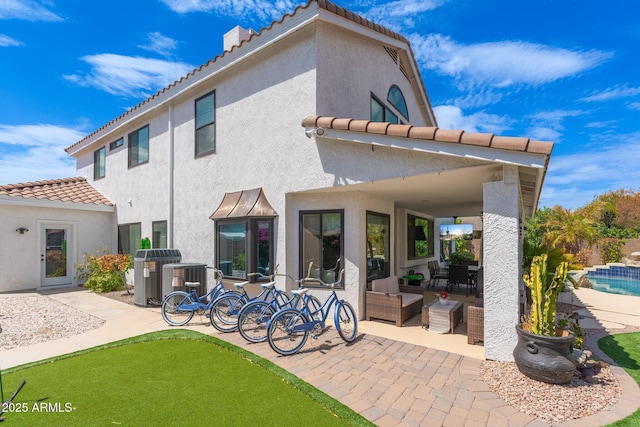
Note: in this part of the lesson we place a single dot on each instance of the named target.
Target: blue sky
(563, 71)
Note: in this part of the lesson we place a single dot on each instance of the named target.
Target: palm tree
(569, 230)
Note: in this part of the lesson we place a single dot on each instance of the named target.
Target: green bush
(611, 250)
(460, 256)
(104, 273)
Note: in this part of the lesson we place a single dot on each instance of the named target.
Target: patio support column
(501, 261)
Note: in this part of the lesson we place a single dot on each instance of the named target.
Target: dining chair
(435, 273)
(458, 275)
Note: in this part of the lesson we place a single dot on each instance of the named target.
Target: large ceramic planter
(546, 359)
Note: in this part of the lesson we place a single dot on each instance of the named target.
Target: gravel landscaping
(551, 403)
(32, 319)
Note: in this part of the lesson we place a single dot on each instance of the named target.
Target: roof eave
(440, 147)
(54, 204)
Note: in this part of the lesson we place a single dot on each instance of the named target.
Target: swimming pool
(624, 280)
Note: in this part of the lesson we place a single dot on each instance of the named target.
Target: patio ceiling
(449, 193)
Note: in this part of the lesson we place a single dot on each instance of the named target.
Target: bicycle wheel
(253, 319)
(282, 336)
(346, 321)
(171, 312)
(224, 312)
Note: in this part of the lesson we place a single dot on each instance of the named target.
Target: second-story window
(396, 98)
(139, 146)
(115, 144)
(99, 162)
(205, 124)
(380, 112)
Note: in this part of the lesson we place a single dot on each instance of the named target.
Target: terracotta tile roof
(431, 133)
(322, 4)
(76, 190)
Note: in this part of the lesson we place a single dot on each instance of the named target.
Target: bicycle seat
(240, 285)
(300, 292)
(267, 285)
(192, 284)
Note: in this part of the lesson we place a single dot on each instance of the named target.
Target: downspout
(171, 180)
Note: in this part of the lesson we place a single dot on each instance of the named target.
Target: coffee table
(442, 318)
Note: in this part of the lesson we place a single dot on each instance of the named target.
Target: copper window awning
(244, 204)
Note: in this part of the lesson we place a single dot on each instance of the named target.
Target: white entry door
(54, 255)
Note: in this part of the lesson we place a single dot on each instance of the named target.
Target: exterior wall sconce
(22, 230)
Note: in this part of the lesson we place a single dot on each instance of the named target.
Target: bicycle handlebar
(323, 283)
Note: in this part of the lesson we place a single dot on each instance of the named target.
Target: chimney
(236, 36)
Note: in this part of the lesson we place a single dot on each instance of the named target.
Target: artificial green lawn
(169, 378)
(624, 349)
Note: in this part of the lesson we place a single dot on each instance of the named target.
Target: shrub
(104, 273)
(583, 256)
(458, 257)
(611, 250)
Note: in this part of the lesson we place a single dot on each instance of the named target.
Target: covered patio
(443, 175)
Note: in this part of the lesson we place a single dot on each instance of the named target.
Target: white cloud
(400, 14)
(573, 180)
(36, 152)
(8, 41)
(607, 124)
(263, 9)
(160, 44)
(451, 117)
(548, 125)
(27, 10)
(129, 76)
(635, 105)
(501, 64)
(613, 93)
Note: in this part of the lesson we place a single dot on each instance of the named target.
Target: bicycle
(225, 309)
(254, 316)
(288, 329)
(178, 307)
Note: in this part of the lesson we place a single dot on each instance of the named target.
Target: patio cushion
(393, 287)
(379, 285)
(408, 299)
(388, 285)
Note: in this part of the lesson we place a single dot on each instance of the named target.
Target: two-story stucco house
(314, 141)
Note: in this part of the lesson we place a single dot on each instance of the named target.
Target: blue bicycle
(254, 316)
(288, 329)
(178, 307)
(225, 309)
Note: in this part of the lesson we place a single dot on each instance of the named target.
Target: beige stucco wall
(20, 254)
(351, 68)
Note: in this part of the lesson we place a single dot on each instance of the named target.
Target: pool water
(616, 285)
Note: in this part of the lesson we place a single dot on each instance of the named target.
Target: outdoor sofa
(389, 300)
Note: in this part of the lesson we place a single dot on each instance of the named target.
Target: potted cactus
(544, 352)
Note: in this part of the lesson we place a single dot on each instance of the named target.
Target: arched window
(396, 98)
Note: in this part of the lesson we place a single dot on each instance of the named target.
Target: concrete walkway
(389, 381)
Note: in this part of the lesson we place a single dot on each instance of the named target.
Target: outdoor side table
(442, 318)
